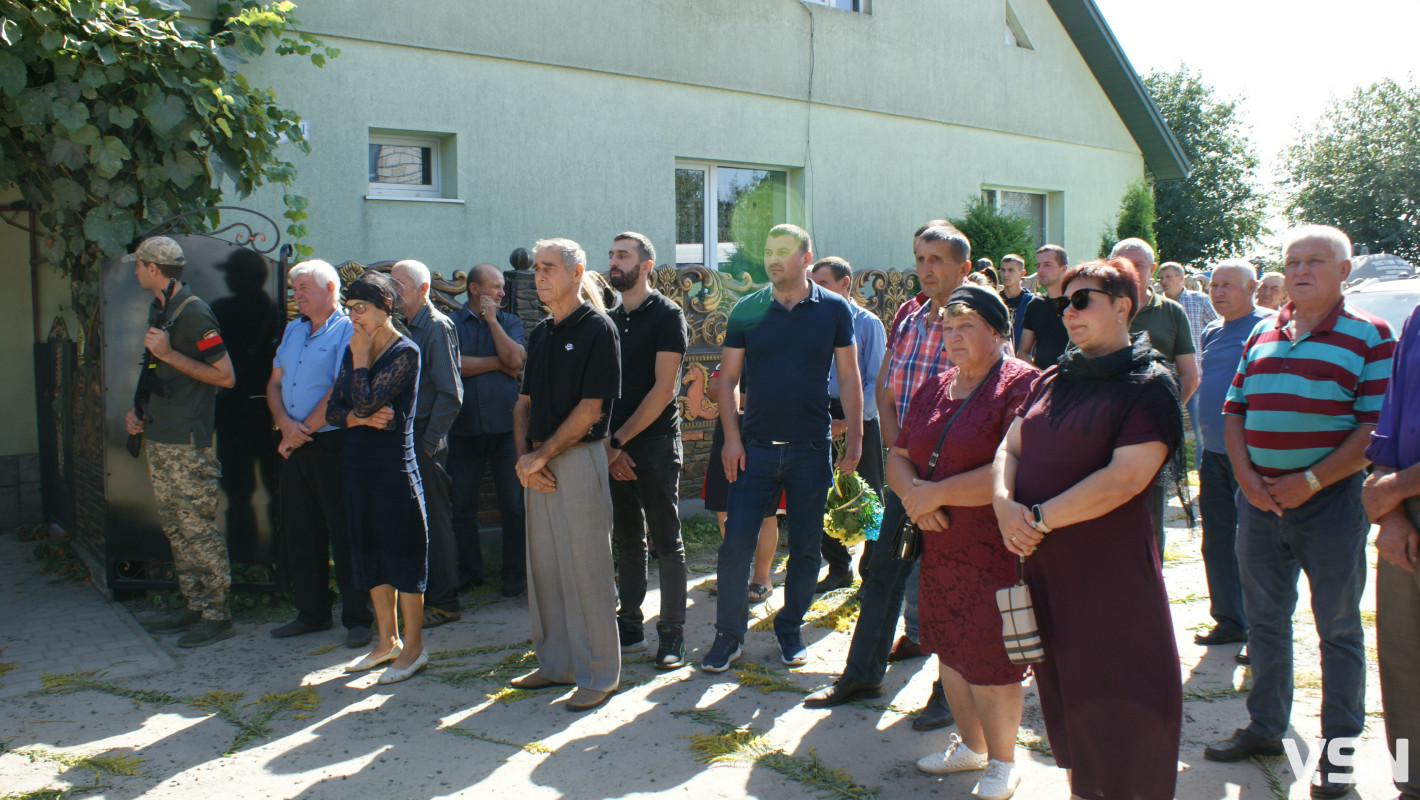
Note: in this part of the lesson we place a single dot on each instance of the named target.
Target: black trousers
(313, 528)
(442, 591)
(647, 506)
(870, 469)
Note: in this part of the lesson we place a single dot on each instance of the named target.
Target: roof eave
(1084, 23)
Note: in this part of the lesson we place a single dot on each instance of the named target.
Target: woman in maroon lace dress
(1070, 487)
(963, 562)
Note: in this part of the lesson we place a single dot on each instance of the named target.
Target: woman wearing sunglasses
(374, 397)
(1070, 485)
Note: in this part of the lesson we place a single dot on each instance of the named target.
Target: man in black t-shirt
(644, 450)
(1043, 336)
(1013, 270)
(573, 376)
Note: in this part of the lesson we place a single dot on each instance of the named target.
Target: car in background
(1391, 300)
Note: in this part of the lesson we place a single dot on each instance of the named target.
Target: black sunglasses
(1080, 299)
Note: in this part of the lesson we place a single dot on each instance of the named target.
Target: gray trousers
(1398, 650)
(571, 585)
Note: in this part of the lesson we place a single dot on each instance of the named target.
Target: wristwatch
(615, 443)
(1038, 519)
(1312, 481)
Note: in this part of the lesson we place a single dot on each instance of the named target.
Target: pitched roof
(1163, 155)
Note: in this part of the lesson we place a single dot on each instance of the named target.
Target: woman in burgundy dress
(1069, 491)
(963, 562)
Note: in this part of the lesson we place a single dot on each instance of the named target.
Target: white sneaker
(956, 758)
(999, 782)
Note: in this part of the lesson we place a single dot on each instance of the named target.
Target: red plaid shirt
(914, 350)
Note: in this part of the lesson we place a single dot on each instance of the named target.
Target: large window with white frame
(1034, 206)
(724, 211)
(404, 167)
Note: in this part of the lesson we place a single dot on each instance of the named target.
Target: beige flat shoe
(393, 675)
(367, 662)
(534, 680)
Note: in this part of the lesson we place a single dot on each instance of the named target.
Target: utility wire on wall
(809, 121)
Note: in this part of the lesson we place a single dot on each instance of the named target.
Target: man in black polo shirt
(573, 375)
(783, 338)
(644, 452)
(1043, 335)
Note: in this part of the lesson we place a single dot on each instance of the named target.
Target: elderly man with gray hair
(312, 494)
(440, 394)
(1301, 409)
(563, 413)
(1231, 290)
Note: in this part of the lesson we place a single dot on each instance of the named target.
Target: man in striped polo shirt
(1299, 414)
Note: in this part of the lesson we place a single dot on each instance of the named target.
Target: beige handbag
(1018, 626)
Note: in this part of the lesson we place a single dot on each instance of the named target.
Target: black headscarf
(985, 302)
(375, 288)
(1138, 374)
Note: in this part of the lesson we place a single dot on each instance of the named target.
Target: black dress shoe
(834, 580)
(358, 637)
(1242, 657)
(1322, 787)
(842, 691)
(298, 628)
(1242, 744)
(936, 714)
(1219, 635)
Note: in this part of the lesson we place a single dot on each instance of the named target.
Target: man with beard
(644, 450)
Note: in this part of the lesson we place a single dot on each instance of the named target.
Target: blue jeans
(881, 599)
(469, 456)
(1326, 538)
(803, 472)
(1218, 505)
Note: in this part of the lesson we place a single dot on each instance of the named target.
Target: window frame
(432, 191)
(994, 199)
(710, 206)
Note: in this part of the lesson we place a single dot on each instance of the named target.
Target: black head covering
(985, 302)
(373, 287)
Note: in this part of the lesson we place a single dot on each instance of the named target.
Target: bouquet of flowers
(852, 513)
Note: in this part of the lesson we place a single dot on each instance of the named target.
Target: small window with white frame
(404, 167)
(844, 5)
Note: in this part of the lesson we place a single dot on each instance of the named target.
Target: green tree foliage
(1359, 169)
(1218, 211)
(745, 218)
(117, 114)
(993, 234)
(1136, 218)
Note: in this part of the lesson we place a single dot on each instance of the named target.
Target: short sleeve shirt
(1396, 440)
(487, 398)
(568, 362)
(1167, 325)
(309, 361)
(1051, 338)
(656, 326)
(182, 408)
(787, 355)
(1218, 362)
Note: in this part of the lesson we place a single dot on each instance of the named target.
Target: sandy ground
(411, 740)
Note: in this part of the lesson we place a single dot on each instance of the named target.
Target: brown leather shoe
(587, 699)
(534, 680)
(904, 649)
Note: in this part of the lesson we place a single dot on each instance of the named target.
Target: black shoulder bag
(907, 539)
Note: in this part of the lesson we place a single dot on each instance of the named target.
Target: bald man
(491, 351)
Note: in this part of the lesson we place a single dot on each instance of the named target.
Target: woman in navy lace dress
(373, 397)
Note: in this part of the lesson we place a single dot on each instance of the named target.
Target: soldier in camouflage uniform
(190, 362)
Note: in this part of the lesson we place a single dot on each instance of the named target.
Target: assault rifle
(147, 374)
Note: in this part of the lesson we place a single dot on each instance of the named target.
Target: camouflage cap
(158, 250)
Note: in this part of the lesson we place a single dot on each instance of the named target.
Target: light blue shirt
(872, 345)
(310, 361)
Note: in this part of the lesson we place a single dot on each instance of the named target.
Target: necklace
(379, 349)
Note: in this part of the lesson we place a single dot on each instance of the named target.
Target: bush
(993, 234)
(1136, 218)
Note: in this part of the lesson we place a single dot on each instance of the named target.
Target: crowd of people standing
(1032, 432)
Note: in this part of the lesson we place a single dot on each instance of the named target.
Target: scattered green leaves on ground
(731, 745)
(767, 680)
(529, 747)
(295, 704)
